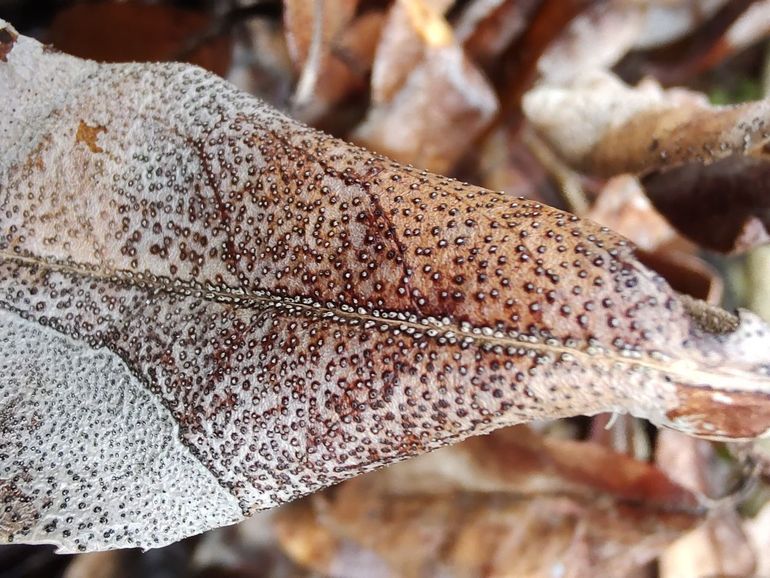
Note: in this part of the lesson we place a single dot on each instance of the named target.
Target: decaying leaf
(595, 39)
(135, 31)
(723, 206)
(431, 100)
(670, 20)
(411, 27)
(477, 509)
(623, 207)
(487, 27)
(208, 308)
(719, 546)
(331, 49)
(703, 166)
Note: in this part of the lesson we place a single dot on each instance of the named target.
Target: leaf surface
(209, 309)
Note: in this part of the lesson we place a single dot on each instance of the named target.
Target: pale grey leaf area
(110, 470)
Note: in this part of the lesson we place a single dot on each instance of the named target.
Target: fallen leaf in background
(516, 69)
(595, 40)
(605, 127)
(720, 545)
(670, 20)
(686, 273)
(254, 310)
(518, 461)
(476, 509)
(752, 26)
(411, 26)
(262, 64)
(703, 166)
(312, 28)
(97, 565)
(427, 111)
(623, 207)
(724, 206)
(134, 31)
(732, 28)
(487, 27)
(506, 164)
(249, 549)
(758, 530)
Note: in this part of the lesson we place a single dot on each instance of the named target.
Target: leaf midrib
(485, 337)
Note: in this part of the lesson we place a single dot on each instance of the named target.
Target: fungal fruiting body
(208, 308)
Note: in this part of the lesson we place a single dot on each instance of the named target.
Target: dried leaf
(596, 39)
(605, 127)
(517, 461)
(96, 565)
(506, 164)
(208, 308)
(686, 273)
(430, 100)
(410, 27)
(719, 546)
(733, 27)
(476, 509)
(313, 31)
(671, 20)
(135, 31)
(705, 166)
(623, 207)
(517, 66)
(724, 206)
(487, 27)
(433, 119)
(758, 530)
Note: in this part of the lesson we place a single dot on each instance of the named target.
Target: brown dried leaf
(139, 32)
(244, 310)
(605, 127)
(474, 512)
(724, 206)
(505, 163)
(517, 461)
(705, 166)
(731, 28)
(302, 19)
(96, 565)
(719, 546)
(317, 32)
(596, 39)
(433, 119)
(671, 20)
(487, 27)
(410, 28)
(430, 100)
(623, 207)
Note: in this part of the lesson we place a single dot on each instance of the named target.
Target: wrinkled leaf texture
(207, 309)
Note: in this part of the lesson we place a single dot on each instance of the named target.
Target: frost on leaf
(704, 167)
(222, 310)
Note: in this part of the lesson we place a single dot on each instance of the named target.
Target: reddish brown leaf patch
(135, 31)
(7, 40)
